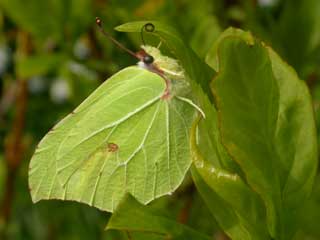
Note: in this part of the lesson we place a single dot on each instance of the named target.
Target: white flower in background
(60, 91)
(81, 49)
(267, 3)
(37, 84)
(4, 59)
(82, 70)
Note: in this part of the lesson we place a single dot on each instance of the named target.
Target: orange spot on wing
(112, 147)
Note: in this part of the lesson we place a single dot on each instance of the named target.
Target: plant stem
(14, 151)
(14, 140)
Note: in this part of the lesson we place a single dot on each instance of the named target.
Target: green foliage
(38, 65)
(241, 219)
(260, 141)
(222, 141)
(132, 216)
(53, 17)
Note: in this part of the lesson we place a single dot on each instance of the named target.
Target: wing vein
(168, 144)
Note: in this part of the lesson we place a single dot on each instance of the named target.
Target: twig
(186, 193)
(221, 236)
(7, 99)
(14, 141)
(312, 80)
(185, 211)
(128, 235)
(14, 150)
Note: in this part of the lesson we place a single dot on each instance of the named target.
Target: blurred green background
(52, 57)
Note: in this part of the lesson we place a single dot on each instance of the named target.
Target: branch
(14, 149)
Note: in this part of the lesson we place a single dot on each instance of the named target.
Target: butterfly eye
(148, 59)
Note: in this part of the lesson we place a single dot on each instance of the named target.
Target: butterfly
(131, 135)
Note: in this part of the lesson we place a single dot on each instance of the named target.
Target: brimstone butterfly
(130, 135)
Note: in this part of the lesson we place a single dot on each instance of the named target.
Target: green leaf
(66, 16)
(38, 65)
(240, 219)
(220, 209)
(130, 215)
(296, 139)
(202, 39)
(79, 16)
(299, 21)
(32, 15)
(292, 29)
(125, 137)
(212, 58)
(310, 213)
(267, 126)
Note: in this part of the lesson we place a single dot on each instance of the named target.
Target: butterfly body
(168, 68)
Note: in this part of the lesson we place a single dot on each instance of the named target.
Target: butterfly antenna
(119, 45)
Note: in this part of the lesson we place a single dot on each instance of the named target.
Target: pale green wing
(123, 138)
